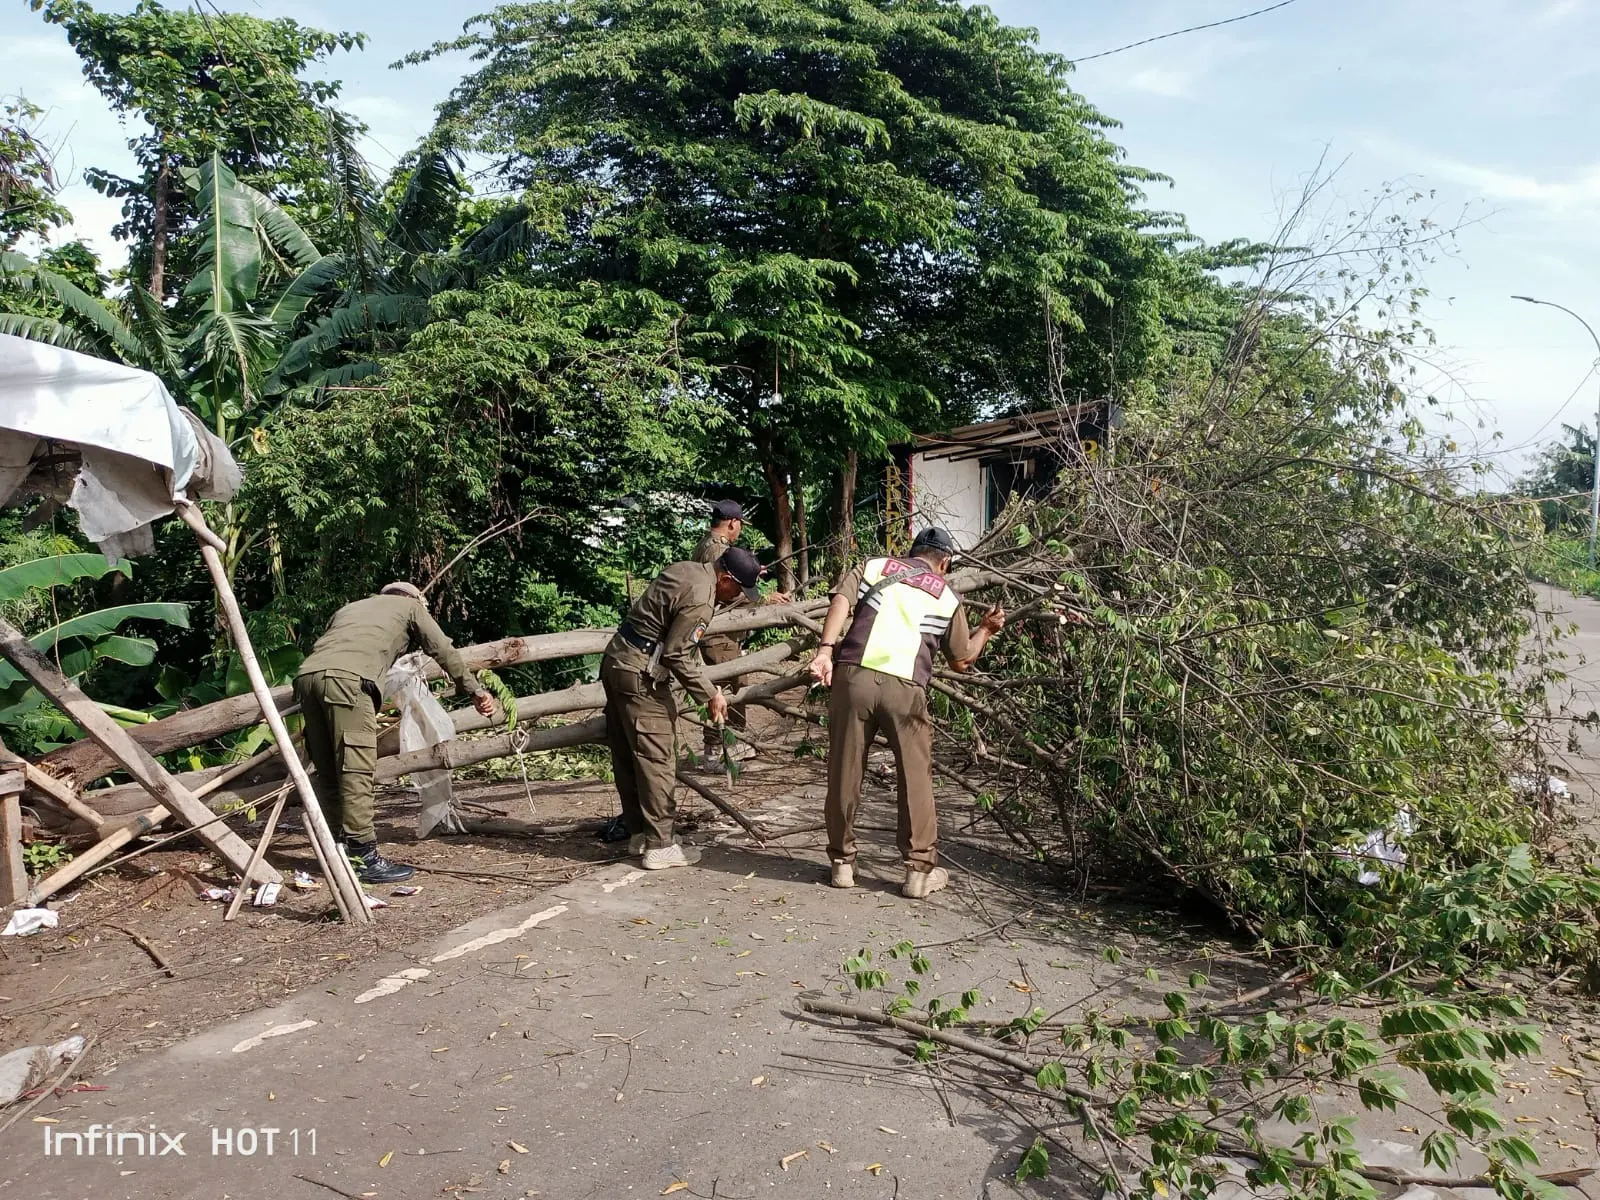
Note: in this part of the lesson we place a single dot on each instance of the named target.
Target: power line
(1581, 384)
(1161, 37)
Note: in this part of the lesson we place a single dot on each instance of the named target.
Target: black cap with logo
(726, 510)
(744, 567)
(935, 539)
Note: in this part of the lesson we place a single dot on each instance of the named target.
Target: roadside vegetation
(1270, 628)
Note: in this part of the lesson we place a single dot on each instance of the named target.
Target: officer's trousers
(863, 703)
(641, 724)
(341, 730)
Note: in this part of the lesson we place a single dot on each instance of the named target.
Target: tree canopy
(867, 216)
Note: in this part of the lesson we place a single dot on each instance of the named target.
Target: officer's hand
(777, 598)
(718, 708)
(821, 667)
(484, 703)
(995, 619)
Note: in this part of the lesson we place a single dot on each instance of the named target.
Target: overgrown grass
(1564, 563)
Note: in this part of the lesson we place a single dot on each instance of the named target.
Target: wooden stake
(261, 851)
(341, 876)
(13, 872)
(115, 741)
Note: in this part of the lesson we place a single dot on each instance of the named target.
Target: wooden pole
(61, 792)
(84, 762)
(341, 876)
(261, 850)
(13, 871)
(115, 741)
(96, 854)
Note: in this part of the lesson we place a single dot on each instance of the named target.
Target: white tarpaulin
(139, 451)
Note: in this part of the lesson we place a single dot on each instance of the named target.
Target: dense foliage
(862, 217)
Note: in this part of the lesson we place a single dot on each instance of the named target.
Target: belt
(642, 644)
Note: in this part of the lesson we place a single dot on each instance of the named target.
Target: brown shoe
(920, 884)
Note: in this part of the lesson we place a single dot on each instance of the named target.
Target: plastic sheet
(137, 450)
(424, 723)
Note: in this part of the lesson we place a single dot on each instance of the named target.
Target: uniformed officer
(338, 688)
(904, 610)
(727, 523)
(658, 642)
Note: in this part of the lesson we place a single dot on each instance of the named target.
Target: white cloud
(1172, 74)
(1572, 193)
(1556, 12)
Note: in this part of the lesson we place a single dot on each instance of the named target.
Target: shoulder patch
(699, 632)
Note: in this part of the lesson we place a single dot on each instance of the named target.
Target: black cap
(936, 539)
(726, 510)
(742, 565)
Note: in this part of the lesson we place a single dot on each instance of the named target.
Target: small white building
(964, 479)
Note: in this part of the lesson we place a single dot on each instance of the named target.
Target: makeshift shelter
(110, 442)
(965, 478)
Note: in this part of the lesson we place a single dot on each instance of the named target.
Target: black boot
(373, 867)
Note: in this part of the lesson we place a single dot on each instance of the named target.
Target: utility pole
(1594, 487)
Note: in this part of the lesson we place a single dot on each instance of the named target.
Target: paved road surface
(630, 1031)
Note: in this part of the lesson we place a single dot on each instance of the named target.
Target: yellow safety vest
(898, 626)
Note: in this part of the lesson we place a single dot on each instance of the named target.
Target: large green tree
(868, 214)
(203, 85)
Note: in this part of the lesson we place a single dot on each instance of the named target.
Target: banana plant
(77, 644)
(256, 272)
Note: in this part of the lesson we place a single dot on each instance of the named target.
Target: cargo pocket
(359, 752)
(653, 737)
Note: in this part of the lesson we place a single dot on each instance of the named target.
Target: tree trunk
(778, 485)
(844, 513)
(158, 231)
(800, 529)
(83, 762)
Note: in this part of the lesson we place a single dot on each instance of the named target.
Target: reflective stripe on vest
(918, 606)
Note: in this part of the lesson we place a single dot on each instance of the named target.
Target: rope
(519, 744)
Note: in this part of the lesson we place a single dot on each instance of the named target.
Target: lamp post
(1594, 488)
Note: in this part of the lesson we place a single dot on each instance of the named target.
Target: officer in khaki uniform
(879, 673)
(727, 523)
(338, 688)
(659, 642)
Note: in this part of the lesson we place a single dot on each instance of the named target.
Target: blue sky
(1490, 104)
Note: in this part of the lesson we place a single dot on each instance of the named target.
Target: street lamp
(1594, 489)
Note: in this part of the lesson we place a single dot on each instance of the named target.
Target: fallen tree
(83, 763)
(128, 799)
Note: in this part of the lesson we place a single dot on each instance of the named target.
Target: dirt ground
(90, 976)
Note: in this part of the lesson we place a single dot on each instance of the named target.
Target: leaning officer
(904, 611)
(660, 642)
(339, 693)
(727, 523)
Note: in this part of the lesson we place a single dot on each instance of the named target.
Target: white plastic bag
(423, 723)
(25, 1069)
(1383, 849)
(28, 921)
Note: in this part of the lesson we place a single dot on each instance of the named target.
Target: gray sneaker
(675, 855)
(844, 875)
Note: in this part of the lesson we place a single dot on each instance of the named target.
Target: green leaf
(56, 571)
(231, 251)
(1035, 1162)
(1052, 1077)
